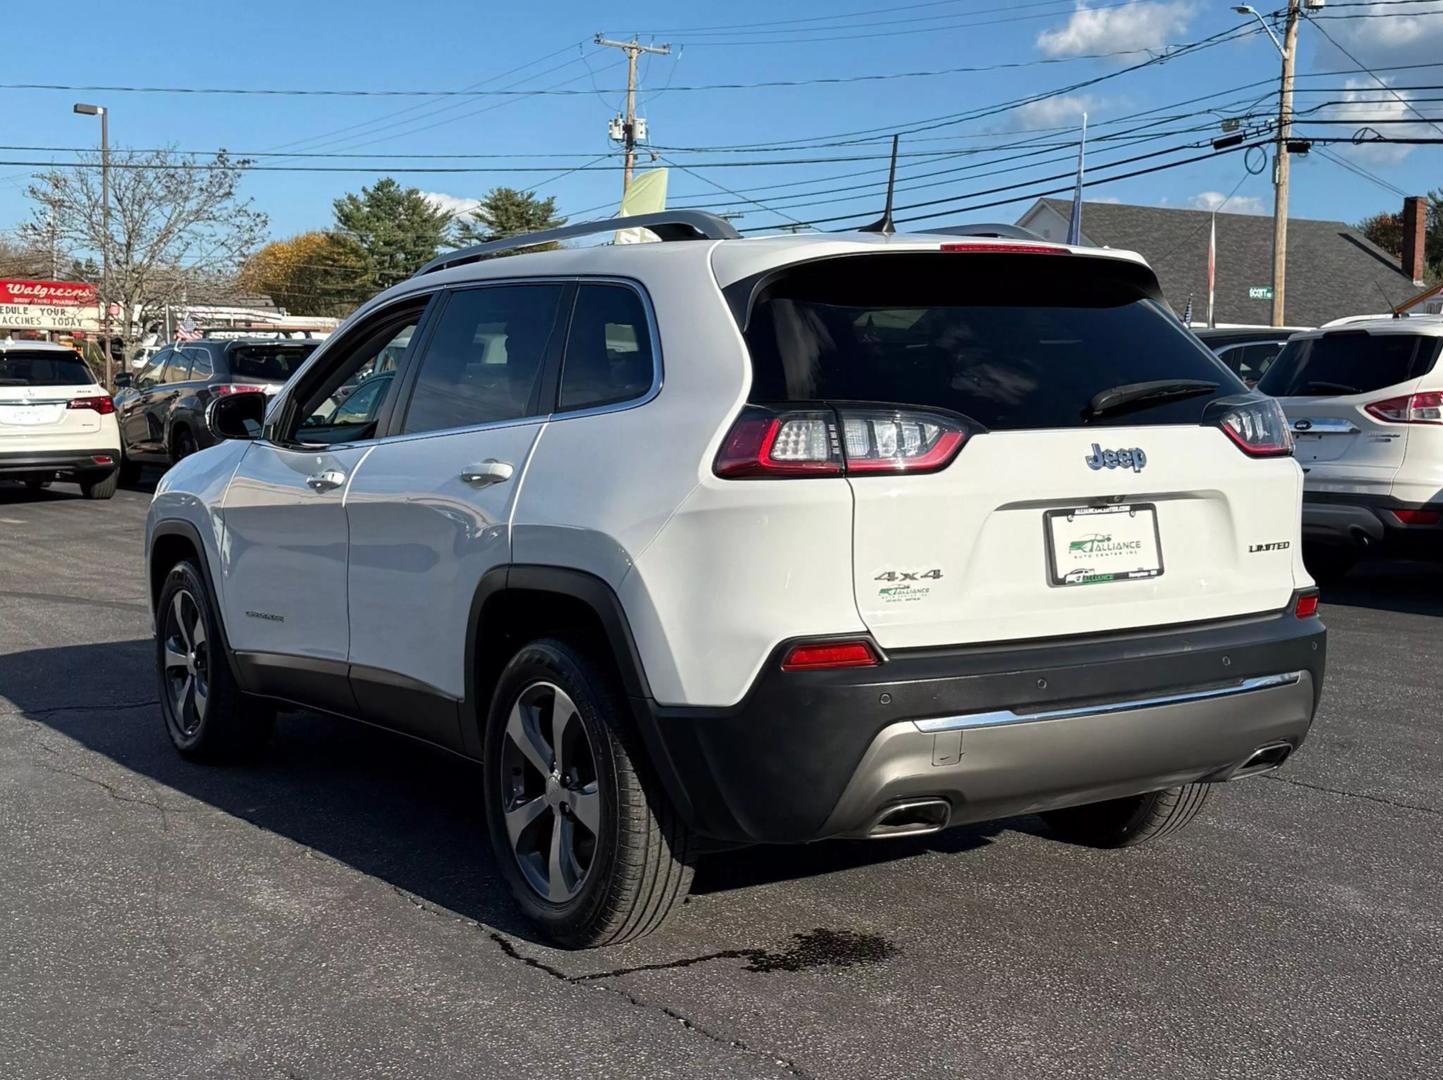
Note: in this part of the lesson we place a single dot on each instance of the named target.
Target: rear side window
(200, 365)
(178, 369)
(608, 350)
(43, 369)
(1011, 341)
(269, 363)
(483, 363)
(1349, 362)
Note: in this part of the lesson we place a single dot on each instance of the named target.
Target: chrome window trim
(1001, 717)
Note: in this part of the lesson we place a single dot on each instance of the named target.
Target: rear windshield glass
(273, 363)
(1011, 341)
(43, 369)
(1349, 362)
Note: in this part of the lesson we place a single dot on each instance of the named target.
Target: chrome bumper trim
(1000, 717)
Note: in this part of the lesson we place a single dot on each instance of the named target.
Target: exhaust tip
(1265, 759)
(911, 818)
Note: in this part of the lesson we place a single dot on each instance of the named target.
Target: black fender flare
(182, 528)
(602, 600)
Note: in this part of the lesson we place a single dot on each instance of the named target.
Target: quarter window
(608, 351)
(200, 365)
(483, 363)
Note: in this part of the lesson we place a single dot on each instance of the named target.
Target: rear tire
(206, 715)
(97, 488)
(565, 772)
(1329, 564)
(182, 444)
(1131, 821)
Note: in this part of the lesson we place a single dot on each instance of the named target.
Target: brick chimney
(1415, 232)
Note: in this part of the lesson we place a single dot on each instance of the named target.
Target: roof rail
(996, 230)
(668, 225)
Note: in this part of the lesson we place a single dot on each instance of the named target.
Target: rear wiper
(1143, 394)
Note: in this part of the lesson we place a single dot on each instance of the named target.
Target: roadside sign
(1260, 292)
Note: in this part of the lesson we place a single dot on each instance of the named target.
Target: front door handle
(487, 472)
(326, 481)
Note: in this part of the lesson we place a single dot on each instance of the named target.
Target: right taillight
(767, 444)
(1424, 408)
(1258, 428)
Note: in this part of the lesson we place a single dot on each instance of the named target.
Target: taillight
(764, 444)
(1306, 606)
(1259, 428)
(1418, 517)
(103, 405)
(1410, 409)
(236, 388)
(836, 654)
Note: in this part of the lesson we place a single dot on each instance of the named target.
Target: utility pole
(104, 114)
(633, 49)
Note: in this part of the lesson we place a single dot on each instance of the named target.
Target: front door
(136, 408)
(285, 548)
(430, 506)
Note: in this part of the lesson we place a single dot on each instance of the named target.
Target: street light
(1287, 49)
(104, 114)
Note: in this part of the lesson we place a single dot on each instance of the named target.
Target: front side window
(154, 371)
(608, 350)
(483, 363)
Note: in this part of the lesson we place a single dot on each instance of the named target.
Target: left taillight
(226, 389)
(776, 445)
(1257, 428)
(102, 404)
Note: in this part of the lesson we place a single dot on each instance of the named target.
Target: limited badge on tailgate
(1094, 545)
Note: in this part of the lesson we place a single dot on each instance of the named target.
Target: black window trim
(658, 370)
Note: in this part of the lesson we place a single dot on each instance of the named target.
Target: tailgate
(43, 411)
(994, 547)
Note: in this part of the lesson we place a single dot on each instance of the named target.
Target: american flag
(186, 331)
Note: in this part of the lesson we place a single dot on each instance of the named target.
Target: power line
(1364, 68)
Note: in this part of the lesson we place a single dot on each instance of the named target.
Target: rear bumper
(1370, 524)
(995, 730)
(69, 462)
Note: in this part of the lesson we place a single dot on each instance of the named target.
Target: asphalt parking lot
(334, 910)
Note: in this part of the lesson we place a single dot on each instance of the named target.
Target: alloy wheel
(551, 801)
(187, 662)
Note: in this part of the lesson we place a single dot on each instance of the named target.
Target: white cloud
(1364, 102)
(1238, 204)
(1110, 200)
(1139, 26)
(1387, 36)
(1052, 112)
(452, 204)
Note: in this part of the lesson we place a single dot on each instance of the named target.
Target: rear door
(1073, 505)
(36, 389)
(1326, 385)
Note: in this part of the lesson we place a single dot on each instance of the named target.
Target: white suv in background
(718, 541)
(56, 421)
(1365, 400)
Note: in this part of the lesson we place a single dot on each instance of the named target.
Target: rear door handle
(488, 472)
(326, 481)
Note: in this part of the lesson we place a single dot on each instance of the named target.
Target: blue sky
(445, 44)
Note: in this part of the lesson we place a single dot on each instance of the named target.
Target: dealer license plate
(1094, 545)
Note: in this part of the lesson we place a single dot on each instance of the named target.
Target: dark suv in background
(161, 409)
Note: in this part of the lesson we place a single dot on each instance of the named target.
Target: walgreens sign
(47, 293)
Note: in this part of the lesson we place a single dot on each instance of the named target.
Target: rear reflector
(837, 654)
(833, 442)
(1258, 428)
(1409, 409)
(102, 459)
(1418, 517)
(1307, 606)
(1007, 249)
(103, 405)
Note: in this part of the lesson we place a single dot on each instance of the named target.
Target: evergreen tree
(393, 230)
(507, 212)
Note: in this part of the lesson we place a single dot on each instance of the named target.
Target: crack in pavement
(509, 950)
(49, 709)
(1356, 795)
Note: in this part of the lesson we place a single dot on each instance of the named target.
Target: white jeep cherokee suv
(717, 541)
(56, 421)
(1365, 400)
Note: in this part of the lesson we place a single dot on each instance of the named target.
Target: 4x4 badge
(1130, 458)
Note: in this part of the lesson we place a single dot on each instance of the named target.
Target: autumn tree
(393, 230)
(315, 273)
(174, 221)
(507, 212)
(1386, 231)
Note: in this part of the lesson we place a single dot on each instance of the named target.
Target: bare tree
(173, 222)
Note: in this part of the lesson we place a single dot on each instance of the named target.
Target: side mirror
(237, 416)
(123, 380)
